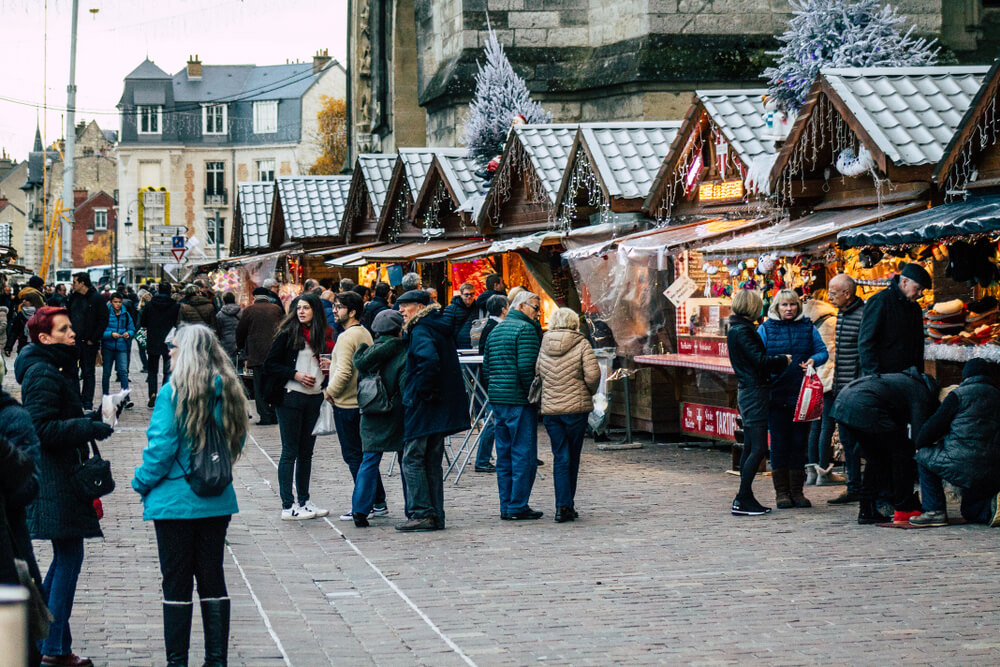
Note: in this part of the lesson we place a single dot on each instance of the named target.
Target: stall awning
(407, 252)
(668, 240)
(459, 253)
(806, 234)
(975, 215)
(355, 259)
(339, 250)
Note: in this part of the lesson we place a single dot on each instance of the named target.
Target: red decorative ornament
(493, 165)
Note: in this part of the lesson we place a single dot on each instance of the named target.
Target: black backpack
(373, 399)
(212, 465)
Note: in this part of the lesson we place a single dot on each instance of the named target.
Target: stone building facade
(585, 60)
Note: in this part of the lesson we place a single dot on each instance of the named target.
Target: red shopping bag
(809, 407)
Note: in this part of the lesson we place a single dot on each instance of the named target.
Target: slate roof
(246, 82)
(147, 69)
(911, 113)
(627, 156)
(548, 149)
(377, 171)
(254, 201)
(313, 205)
(459, 172)
(417, 161)
(739, 115)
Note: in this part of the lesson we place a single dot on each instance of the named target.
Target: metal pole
(218, 233)
(66, 261)
(114, 265)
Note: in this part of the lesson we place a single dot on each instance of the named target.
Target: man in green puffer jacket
(509, 369)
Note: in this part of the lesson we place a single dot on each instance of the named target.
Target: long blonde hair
(200, 359)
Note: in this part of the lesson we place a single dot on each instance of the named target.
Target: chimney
(320, 60)
(79, 196)
(3, 199)
(194, 68)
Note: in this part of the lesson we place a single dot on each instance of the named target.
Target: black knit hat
(917, 274)
(36, 281)
(975, 367)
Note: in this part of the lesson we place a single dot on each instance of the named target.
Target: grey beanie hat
(387, 321)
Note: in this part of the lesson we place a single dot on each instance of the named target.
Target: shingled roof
(312, 206)
(377, 171)
(911, 113)
(626, 156)
(253, 204)
(739, 115)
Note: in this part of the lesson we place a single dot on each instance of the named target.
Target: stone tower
(413, 62)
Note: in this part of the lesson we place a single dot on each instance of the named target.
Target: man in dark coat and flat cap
(891, 338)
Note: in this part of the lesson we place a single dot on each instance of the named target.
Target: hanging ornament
(850, 163)
(721, 154)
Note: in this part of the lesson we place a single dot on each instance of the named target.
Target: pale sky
(112, 42)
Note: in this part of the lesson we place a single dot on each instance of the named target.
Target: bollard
(13, 626)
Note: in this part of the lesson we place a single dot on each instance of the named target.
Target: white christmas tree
(840, 33)
(500, 96)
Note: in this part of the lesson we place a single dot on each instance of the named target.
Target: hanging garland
(963, 172)
(583, 179)
(403, 204)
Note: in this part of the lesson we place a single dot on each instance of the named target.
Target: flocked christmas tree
(840, 33)
(501, 96)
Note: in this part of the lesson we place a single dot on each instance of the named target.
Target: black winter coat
(887, 402)
(434, 397)
(159, 317)
(279, 367)
(88, 313)
(387, 359)
(968, 426)
(228, 318)
(48, 378)
(19, 453)
(490, 326)
(460, 318)
(847, 365)
(891, 338)
(748, 357)
(372, 308)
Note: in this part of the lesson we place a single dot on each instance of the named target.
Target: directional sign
(162, 259)
(163, 248)
(169, 230)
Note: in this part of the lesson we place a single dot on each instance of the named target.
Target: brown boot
(796, 479)
(782, 497)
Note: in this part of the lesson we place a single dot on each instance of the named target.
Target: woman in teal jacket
(191, 529)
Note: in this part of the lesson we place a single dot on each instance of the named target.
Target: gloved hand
(101, 431)
(95, 415)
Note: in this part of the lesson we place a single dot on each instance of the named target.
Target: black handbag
(91, 479)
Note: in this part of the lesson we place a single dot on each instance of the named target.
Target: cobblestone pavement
(655, 571)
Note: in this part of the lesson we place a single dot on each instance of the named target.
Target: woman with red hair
(47, 373)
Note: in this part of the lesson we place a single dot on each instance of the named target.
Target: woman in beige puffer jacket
(570, 376)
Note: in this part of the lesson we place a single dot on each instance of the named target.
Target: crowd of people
(888, 412)
(382, 369)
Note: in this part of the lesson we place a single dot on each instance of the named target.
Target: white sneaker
(316, 512)
(296, 513)
(346, 516)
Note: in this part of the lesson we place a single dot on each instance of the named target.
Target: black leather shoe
(417, 525)
(266, 423)
(539, 462)
(360, 520)
(564, 514)
(844, 499)
(526, 514)
(489, 467)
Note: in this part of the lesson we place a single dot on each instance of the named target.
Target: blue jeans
(975, 509)
(59, 589)
(424, 488)
(821, 433)
(485, 452)
(297, 417)
(120, 360)
(789, 439)
(517, 454)
(367, 482)
(348, 423)
(566, 433)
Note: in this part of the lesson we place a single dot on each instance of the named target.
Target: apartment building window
(265, 117)
(215, 183)
(101, 219)
(265, 170)
(149, 119)
(213, 119)
(210, 231)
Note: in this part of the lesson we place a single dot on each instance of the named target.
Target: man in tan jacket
(342, 389)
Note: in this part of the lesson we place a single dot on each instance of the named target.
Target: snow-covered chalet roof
(254, 202)
(627, 156)
(547, 147)
(739, 115)
(313, 205)
(377, 171)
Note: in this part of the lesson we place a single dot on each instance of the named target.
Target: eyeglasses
(468, 294)
(531, 305)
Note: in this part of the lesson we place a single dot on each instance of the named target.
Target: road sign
(177, 242)
(162, 259)
(169, 230)
(163, 248)
(178, 254)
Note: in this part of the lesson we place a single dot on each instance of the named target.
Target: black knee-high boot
(215, 622)
(177, 632)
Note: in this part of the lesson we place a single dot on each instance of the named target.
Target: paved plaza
(655, 571)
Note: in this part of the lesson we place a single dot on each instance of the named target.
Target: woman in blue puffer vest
(787, 331)
(191, 529)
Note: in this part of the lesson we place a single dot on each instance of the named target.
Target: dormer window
(265, 117)
(214, 119)
(149, 119)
